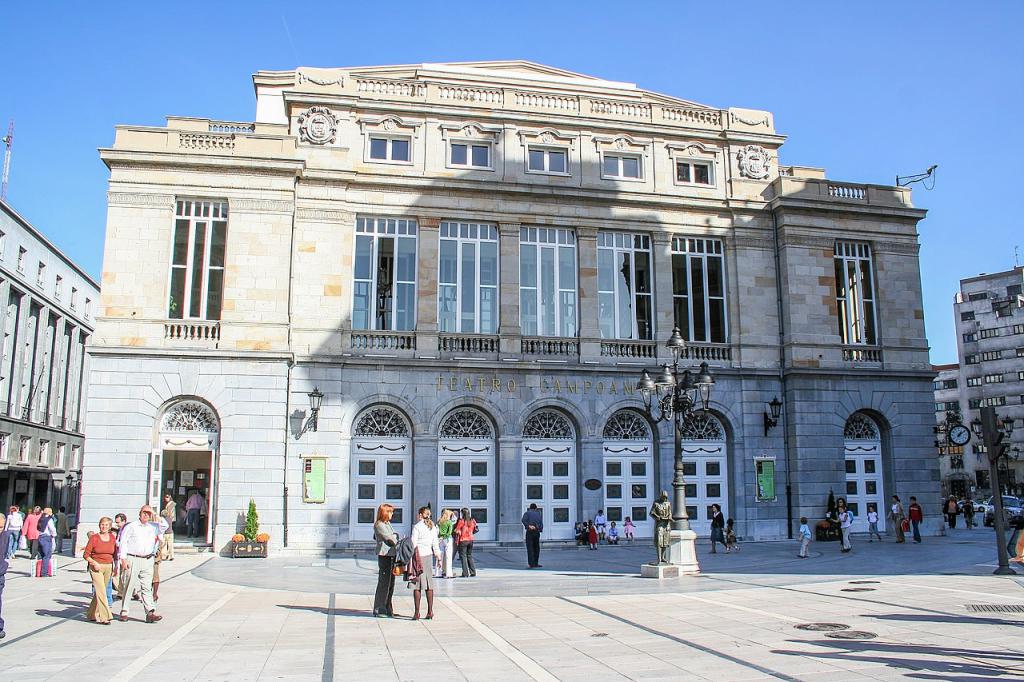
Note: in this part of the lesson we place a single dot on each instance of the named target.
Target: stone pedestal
(682, 551)
(659, 571)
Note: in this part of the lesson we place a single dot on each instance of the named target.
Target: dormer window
(470, 145)
(694, 164)
(397, 149)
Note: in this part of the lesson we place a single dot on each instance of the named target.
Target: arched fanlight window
(465, 423)
(548, 425)
(702, 426)
(189, 415)
(860, 427)
(381, 422)
(627, 425)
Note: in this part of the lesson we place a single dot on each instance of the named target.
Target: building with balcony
(474, 262)
(989, 316)
(46, 324)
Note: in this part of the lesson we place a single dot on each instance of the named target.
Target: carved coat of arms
(318, 125)
(754, 161)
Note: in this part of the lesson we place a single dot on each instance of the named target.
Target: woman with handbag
(387, 540)
(426, 544)
(897, 517)
(464, 531)
(99, 555)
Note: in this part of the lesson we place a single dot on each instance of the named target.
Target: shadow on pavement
(959, 620)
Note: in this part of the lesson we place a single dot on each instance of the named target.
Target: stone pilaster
(509, 328)
(510, 489)
(664, 316)
(590, 334)
(426, 274)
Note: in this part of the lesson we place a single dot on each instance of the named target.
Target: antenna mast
(8, 142)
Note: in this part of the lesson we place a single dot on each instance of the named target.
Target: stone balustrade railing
(472, 95)
(382, 86)
(199, 331)
(843, 191)
(871, 354)
(206, 141)
(375, 340)
(532, 345)
(644, 350)
(707, 352)
(467, 343)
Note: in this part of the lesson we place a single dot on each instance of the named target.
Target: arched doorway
(465, 467)
(862, 445)
(381, 470)
(705, 469)
(185, 462)
(549, 471)
(628, 453)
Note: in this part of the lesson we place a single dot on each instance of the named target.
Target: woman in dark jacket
(464, 531)
(387, 540)
(717, 527)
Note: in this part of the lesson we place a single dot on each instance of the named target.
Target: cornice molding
(324, 215)
(141, 199)
(260, 206)
(751, 243)
(902, 248)
(809, 241)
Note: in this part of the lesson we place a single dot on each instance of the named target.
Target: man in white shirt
(137, 545)
(600, 523)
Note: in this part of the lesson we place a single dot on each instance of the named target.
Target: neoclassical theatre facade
(473, 263)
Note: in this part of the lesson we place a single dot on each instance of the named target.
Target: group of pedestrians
(420, 558)
(123, 560)
(40, 532)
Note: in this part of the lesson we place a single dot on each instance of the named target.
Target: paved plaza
(584, 616)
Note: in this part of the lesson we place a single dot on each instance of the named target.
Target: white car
(1011, 509)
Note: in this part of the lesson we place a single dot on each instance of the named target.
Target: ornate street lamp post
(674, 396)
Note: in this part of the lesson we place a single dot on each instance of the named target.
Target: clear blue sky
(864, 89)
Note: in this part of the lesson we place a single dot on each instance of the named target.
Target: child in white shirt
(805, 537)
(873, 524)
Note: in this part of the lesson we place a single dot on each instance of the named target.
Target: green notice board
(765, 479)
(314, 480)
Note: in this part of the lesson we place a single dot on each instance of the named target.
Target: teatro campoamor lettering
(455, 383)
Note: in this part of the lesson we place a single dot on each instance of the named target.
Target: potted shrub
(250, 542)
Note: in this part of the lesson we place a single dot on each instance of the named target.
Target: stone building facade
(473, 263)
(989, 316)
(47, 322)
(960, 474)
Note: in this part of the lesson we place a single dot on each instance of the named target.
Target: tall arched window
(705, 469)
(628, 466)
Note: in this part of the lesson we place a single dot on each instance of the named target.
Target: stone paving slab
(277, 621)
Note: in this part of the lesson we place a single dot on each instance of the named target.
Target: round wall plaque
(592, 484)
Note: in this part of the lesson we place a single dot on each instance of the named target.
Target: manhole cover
(863, 582)
(851, 634)
(996, 608)
(857, 589)
(600, 634)
(822, 627)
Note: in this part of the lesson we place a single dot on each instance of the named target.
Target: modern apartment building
(47, 321)
(989, 314)
(473, 263)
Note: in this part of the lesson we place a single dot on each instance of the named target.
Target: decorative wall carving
(324, 215)
(261, 206)
(860, 427)
(190, 415)
(136, 199)
(318, 125)
(465, 423)
(754, 162)
(548, 425)
(736, 118)
(902, 248)
(627, 425)
(381, 422)
(702, 426)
